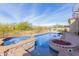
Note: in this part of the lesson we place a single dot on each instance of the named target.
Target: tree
(23, 26)
(4, 29)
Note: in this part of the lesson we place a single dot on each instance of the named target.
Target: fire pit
(59, 44)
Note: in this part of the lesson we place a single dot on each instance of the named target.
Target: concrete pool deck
(64, 52)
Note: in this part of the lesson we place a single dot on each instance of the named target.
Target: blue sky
(36, 13)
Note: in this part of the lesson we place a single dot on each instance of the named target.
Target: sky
(38, 14)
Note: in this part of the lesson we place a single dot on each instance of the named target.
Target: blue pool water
(9, 41)
(44, 38)
(41, 46)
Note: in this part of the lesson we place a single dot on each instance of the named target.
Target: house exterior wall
(73, 27)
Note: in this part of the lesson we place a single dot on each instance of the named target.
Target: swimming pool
(14, 40)
(41, 45)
